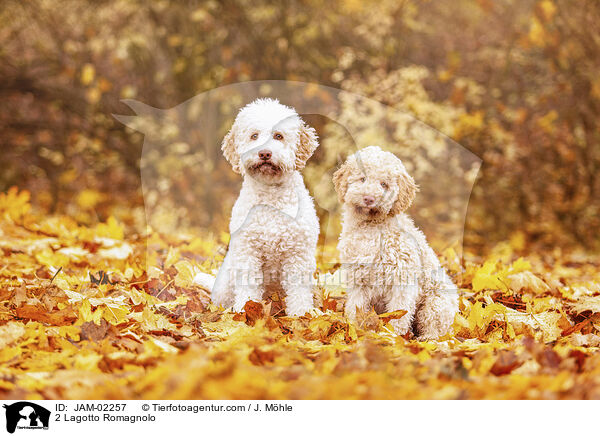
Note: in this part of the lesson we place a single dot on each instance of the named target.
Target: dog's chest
(270, 231)
(378, 260)
(378, 248)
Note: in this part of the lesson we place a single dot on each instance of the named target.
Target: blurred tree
(515, 82)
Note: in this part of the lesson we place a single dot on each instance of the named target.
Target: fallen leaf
(91, 331)
(506, 362)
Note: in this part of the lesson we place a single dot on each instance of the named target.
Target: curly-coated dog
(274, 226)
(390, 264)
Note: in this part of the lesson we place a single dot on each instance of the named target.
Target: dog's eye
(278, 136)
(363, 179)
(384, 185)
(254, 136)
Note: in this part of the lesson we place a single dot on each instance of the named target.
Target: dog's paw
(238, 305)
(315, 312)
(300, 310)
(401, 326)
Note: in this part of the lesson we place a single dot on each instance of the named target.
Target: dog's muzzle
(368, 206)
(265, 167)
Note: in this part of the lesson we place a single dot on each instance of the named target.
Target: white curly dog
(390, 264)
(274, 226)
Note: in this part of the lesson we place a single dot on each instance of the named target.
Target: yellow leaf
(111, 229)
(15, 204)
(87, 74)
(548, 9)
(89, 198)
(480, 316)
(6, 385)
(537, 33)
(115, 314)
(485, 277)
(586, 303)
(52, 259)
(87, 361)
(546, 322)
(352, 332)
(154, 347)
(85, 311)
(128, 91)
(527, 280)
(93, 95)
(150, 321)
(185, 273)
(519, 265)
(67, 283)
(69, 331)
(9, 353)
(547, 121)
(10, 333)
(517, 240)
(172, 257)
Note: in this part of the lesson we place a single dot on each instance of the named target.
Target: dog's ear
(407, 191)
(340, 180)
(229, 150)
(307, 144)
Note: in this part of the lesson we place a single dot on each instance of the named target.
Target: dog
(274, 226)
(390, 265)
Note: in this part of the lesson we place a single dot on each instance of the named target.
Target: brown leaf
(259, 357)
(368, 320)
(211, 316)
(20, 296)
(396, 314)
(329, 304)
(579, 357)
(241, 316)
(91, 331)
(548, 358)
(39, 313)
(506, 362)
(271, 323)
(254, 311)
(349, 363)
(575, 328)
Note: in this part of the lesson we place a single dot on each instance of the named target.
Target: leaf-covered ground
(83, 315)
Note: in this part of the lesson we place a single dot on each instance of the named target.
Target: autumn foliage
(84, 313)
(515, 82)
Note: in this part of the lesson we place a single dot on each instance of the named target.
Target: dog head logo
(26, 415)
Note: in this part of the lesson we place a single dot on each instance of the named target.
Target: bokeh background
(514, 82)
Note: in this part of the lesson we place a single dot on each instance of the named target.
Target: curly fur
(274, 226)
(390, 264)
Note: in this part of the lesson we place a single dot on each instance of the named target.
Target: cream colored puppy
(390, 265)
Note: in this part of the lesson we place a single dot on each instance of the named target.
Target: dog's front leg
(403, 297)
(248, 279)
(404, 293)
(359, 288)
(356, 300)
(297, 272)
(437, 307)
(222, 291)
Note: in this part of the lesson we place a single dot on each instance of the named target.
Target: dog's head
(374, 184)
(268, 140)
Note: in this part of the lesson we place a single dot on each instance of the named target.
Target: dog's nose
(369, 201)
(264, 154)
